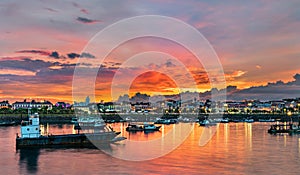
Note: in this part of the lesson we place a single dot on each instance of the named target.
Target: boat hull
(68, 140)
(156, 128)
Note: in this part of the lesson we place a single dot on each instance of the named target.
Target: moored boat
(144, 127)
(74, 120)
(134, 128)
(249, 120)
(266, 120)
(31, 137)
(224, 120)
(207, 122)
(166, 121)
(89, 123)
(151, 127)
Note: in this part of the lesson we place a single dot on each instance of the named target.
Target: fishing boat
(30, 136)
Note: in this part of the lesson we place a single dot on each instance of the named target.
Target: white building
(32, 104)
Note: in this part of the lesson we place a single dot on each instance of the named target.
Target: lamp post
(289, 113)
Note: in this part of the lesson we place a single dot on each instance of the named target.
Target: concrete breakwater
(44, 118)
(67, 118)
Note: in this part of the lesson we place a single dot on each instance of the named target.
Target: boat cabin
(31, 128)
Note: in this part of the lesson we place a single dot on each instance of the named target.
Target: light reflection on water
(236, 148)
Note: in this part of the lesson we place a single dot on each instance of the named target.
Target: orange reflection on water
(144, 136)
(235, 148)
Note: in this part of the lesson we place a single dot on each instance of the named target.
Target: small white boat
(90, 122)
(224, 120)
(74, 120)
(249, 120)
(151, 127)
(266, 120)
(207, 122)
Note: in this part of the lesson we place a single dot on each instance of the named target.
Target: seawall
(66, 118)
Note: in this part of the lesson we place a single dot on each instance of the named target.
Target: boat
(266, 120)
(134, 128)
(144, 127)
(30, 136)
(89, 123)
(166, 121)
(207, 122)
(99, 124)
(224, 120)
(237, 120)
(249, 120)
(74, 120)
(151, 127)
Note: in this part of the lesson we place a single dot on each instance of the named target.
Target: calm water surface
(236, 148)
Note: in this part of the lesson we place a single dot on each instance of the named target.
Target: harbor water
(235, 148)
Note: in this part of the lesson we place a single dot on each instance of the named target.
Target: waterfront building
(62, 105)
(141, 107)
(33, 104)
(4, 104)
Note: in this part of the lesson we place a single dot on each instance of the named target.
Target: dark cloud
(87, 21)
(40, 52)
(68, 65)
(87, 55)
(297, 79)
(271, 91)
(25, 64)
(54, 55)
(73, 55)
(170, 64)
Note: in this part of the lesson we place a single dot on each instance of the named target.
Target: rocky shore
(67, 118)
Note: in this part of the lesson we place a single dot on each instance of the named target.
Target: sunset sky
(257, 42)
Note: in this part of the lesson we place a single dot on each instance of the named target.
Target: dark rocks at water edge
(111, 118)
(53, 118)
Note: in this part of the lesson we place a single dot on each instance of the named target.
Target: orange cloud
(16, 72)
(153, 82)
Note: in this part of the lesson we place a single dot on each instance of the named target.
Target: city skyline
(257, 43)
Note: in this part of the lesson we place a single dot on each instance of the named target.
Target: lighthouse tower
(31, 128)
